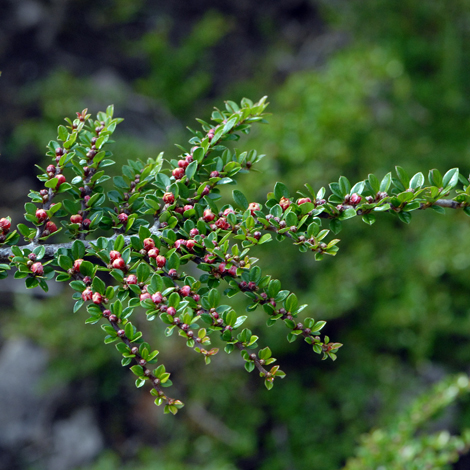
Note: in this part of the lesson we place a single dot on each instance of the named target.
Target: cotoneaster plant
(128, 247)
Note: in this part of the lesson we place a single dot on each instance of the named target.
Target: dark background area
(355, 88)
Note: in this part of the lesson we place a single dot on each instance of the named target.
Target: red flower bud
(145, 295)
(149, 244)
(355, 199)
(161, 261)
(183, 164)
(114, 255)
(76, 219)
(41, 214)
(131, 279)
(180, 242)
(87, 294)
(190, 244)
(60, 179)
(153, 253)
(193, 232)
(119, 263)
(284, 203)
(222, 223)
(185, 291)
(123, 217)
(303, 200)
(97, 298)
(208, 216)
(168, 198)
(178, 173)
(51, 226)
(157, 298)
(76, 265)
(37, 269)
(209, 259)
(254, 206)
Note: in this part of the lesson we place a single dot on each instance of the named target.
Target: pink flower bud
(37, 269)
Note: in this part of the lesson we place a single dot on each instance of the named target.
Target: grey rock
(76, 441)
(21, 367)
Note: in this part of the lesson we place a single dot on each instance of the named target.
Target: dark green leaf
(240, 199)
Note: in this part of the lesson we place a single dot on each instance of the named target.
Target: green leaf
(273, 288)
(264, 353)
(31, 282)
(191, 169)
(65, 262)
(39, 252)
(137, 370)
(417, 181)
(87, 268)
(213, 298)
(405, 217)
(240, 199)
(52, 183)
(291, 303)
(174, 261)
(435, 178)
(280, 190)
(450, 179)
(24, 230)
(439, 209)
(143, 272)
(336, 226)
(78, 286)
(318, 326)
(344, 186)
(369, 219)
(119, 243)
(386, 182)
(98, 284)
(403, 177)
(374, 183)
(78, 249)
(240, 320)
(62, 133)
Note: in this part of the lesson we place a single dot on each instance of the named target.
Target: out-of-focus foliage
(179, 76)
(398, 447)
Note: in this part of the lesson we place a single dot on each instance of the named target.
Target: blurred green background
(355, 87)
